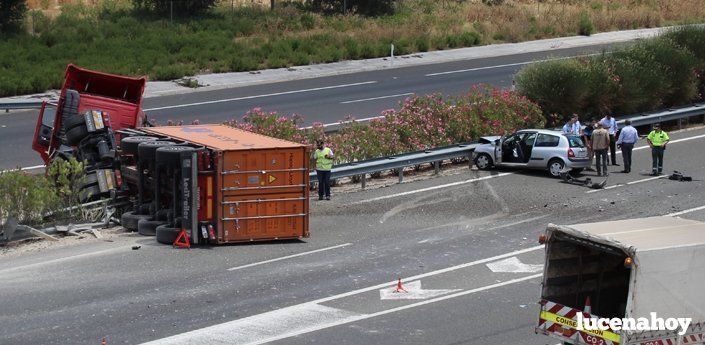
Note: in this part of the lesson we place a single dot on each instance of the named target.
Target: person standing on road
(587, 139)
(572, 127)
(657, 140)
(324, 163)
(628, 136)
(610, 124)
(600, 144)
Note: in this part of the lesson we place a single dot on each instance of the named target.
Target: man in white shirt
(573, 126)
(628, 136)
(610, 124)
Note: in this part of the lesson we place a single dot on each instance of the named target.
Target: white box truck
(626, 269)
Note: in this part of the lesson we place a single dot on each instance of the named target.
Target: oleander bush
(656, 73)
(421, 122)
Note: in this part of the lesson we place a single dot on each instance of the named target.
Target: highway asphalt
(325, 99)
(336, 286)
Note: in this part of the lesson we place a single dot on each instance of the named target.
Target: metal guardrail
(31, 104)
(362, 168)
(435, 156)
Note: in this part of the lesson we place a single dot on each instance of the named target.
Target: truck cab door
(44, 131)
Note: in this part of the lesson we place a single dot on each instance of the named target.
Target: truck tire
(166, 234)
(75, 135)
(74, 121)
(128, 145)
(69, 109)
(146, 151)
(129, 220)
(148, 227)
(88, 194)
(172, 154)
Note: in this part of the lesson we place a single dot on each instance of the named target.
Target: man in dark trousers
(610, 124)
(657, 140)
(600, 144)
(628, 136)
(324, 163)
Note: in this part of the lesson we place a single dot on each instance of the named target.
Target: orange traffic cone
(588, 308)
(400, 288)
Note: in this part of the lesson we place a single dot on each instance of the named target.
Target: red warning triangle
(182, 241)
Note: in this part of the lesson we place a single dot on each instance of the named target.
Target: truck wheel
(129, 220)
(74, 121)
(483, 161)
(147, 151)
(128, 145)
(166, 234)
(69, 109)
(148, 227)
(75, 135)
(172, 154)
(88, 194)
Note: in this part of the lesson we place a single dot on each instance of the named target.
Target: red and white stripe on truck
(560, 322)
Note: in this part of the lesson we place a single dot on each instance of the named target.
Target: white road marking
(26, 168)
(507, 65)
(376, 98)
(296, 320)
(674, 214)
(261, 96)
(289, 257)
(63, 259)
(513, 265)
(647, 179)
(433, 188)
(413, 291)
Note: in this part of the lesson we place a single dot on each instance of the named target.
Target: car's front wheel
(555, 166)
(483, 161)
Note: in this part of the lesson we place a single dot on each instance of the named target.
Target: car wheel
(75, 135)
(166, 234)
(148, 227)
(483, 161)
(129, 220)
(555, 166)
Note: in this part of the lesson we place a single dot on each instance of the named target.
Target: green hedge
(656, 73)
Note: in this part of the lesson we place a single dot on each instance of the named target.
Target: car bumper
(578, 163)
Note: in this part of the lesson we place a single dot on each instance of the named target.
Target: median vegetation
(141, 37)
(653, 74)
(421, 122)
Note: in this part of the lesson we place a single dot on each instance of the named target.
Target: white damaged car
(533, 149)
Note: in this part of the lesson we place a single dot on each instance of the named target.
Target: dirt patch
(36, 244)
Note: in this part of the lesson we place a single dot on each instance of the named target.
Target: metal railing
(26, 104)
(398, 162)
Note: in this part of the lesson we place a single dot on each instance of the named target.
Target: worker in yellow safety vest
(657, 140)
(324, 163)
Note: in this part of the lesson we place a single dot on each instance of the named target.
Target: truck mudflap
(559, 321)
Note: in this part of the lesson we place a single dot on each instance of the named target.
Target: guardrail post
(436, 167)
(363, 181)
(401, 174)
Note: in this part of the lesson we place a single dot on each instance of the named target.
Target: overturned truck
(627, 269)
(215, 183)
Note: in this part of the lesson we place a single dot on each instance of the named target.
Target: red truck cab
(118, 96)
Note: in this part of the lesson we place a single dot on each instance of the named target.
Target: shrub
(25, 197)
(67, 178)
(558, 86)
(585, 26)
(11, 14)
(180, 7)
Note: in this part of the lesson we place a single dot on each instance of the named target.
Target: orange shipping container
(259, 183)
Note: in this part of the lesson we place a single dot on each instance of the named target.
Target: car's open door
(498, 149)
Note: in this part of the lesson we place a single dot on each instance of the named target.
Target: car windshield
(574, 141)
